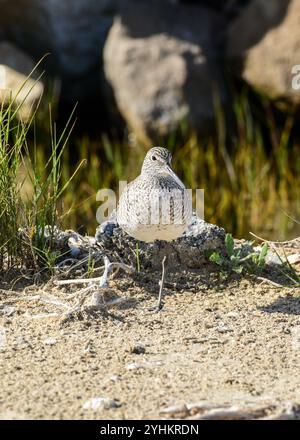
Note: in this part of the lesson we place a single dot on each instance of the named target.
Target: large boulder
(263, 46)
(15, 85)
(162, 62)
(71, 31)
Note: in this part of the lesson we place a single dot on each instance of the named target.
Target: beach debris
(50, 341)
(98, 403)
(262, 410)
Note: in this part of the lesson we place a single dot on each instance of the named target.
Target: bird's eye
(153, 158)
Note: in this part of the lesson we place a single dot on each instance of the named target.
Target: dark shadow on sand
(289, 305)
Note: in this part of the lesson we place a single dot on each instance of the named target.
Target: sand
(228, 342)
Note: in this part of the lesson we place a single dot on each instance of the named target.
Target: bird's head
(158, 162)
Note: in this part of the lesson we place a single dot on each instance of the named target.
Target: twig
(95, 286)
(76, 281)
(273, 242)
(108, 267)
(96, 256)
(14, 292)
(266, 280)
(232, 413)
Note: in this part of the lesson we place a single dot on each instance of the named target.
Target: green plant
(234, 261)
(13, 213)
(30, 190)
(259, 259)
(91, 266)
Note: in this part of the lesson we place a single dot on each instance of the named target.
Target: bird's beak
(168, 170)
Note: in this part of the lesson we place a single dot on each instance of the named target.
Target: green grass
(31, 189)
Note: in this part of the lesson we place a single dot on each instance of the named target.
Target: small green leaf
(224, 275)
(238, 269)
(229, 244)
(254, 258)
(263, 254)
(216, 258)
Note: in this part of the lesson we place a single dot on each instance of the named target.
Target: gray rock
(50, 341)
(100, 403)
(134, 366)
(188, 251)
(162, 62)
(137, 349)
(72, 31)
(263, 46)
(15, 66)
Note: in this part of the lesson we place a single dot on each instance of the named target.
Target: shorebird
(156, 205)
